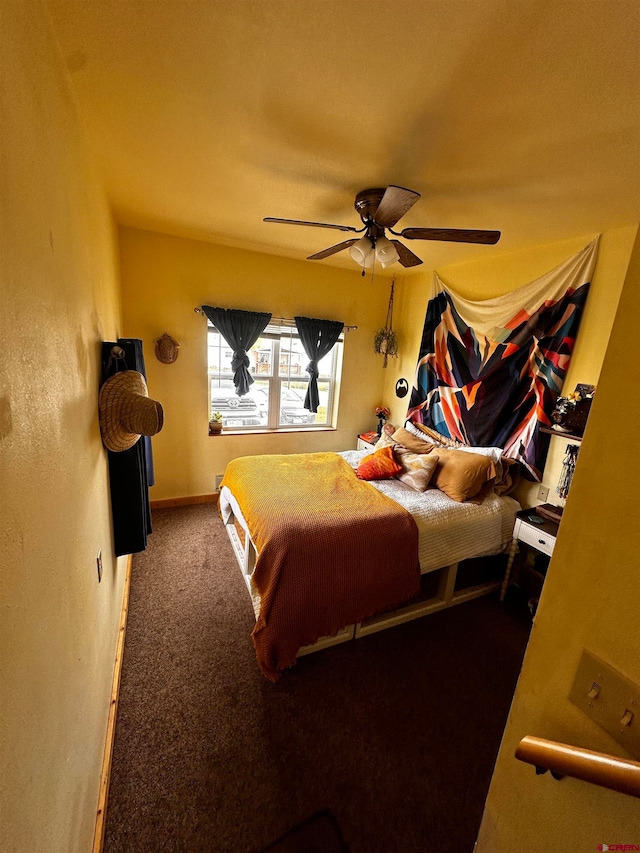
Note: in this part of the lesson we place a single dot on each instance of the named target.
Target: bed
(327, 557)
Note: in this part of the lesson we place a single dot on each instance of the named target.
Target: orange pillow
(412, 442)
(463, 475)
(380, 465)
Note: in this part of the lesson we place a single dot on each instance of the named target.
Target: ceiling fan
(380, 209)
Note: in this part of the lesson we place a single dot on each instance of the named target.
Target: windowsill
(266, 431)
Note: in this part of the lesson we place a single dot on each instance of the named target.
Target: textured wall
(164, 278)
(59, 298)
(591, 600)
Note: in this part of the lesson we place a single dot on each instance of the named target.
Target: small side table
(366, 443)
(540, 537)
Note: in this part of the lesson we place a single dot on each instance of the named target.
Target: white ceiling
(207, 115)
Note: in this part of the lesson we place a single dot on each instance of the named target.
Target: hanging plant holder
(385, 342)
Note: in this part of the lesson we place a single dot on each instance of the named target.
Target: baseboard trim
(187, 501)
(105, 776)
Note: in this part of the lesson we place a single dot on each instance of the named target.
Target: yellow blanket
(332, 550)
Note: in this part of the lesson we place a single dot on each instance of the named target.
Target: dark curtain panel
(240, 329)
(130, 472)
(318, 339)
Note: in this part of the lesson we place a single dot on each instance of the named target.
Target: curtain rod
(279, 320)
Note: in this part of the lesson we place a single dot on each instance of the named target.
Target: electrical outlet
(218, 481)
(99, 562)
(543, 493)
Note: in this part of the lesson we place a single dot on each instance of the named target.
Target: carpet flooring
(395, 735)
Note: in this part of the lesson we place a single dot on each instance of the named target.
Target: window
(276, 398)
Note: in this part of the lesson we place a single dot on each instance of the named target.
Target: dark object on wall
(568, 470)
(131, 471)
(126, 411)
(493, 383)
(167, 348)
(402, 388)
(571, 412)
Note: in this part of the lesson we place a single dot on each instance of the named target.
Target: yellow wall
(500, 274)
(591, 599)
(58, 299)
(164, 278)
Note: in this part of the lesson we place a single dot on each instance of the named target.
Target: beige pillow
(463, 475)
(411, 442)
(417, 468)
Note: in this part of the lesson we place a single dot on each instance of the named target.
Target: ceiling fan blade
(331, 250)
(406, 256)
(454, 235)
(395, 202)
(313, 224)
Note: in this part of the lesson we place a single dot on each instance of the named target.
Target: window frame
(276, 380)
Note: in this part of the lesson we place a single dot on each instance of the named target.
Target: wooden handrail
(608, 771)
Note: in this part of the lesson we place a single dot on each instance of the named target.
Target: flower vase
(381, 420)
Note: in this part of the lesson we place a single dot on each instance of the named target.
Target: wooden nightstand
(367, 442)
(540, 537)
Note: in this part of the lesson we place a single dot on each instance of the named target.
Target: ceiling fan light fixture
(386, 252)
(380, 209)
(363, 252)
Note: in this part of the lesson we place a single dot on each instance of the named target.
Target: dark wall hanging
(490, 372)
(568, 470)
(130, 471)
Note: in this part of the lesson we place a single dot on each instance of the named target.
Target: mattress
(449, 531)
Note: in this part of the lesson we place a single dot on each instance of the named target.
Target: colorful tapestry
(489, 372)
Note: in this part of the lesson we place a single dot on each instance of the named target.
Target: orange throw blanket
(332, 550)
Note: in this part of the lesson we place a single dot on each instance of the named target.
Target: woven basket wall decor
(166, 348)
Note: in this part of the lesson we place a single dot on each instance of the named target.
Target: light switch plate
(605, 695)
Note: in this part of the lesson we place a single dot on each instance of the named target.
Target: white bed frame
(446, 595)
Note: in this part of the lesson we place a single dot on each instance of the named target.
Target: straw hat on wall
(126, 411)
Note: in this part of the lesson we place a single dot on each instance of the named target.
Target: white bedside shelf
(540, 537)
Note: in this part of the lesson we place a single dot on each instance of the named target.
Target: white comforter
(449, 531)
